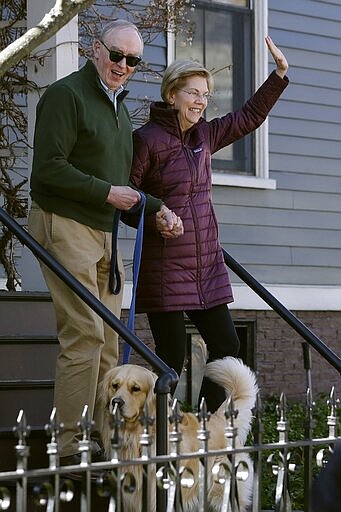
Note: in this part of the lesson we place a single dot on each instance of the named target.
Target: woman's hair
(119, 24)
(177, 73)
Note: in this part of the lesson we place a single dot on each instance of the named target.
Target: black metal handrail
(277, 306)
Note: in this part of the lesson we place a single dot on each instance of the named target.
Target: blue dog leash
(115, 283)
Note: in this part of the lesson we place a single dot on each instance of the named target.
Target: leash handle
(115, 282)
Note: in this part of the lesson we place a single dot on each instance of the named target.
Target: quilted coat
(188, 272)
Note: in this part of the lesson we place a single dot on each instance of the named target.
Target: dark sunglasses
(117, 56)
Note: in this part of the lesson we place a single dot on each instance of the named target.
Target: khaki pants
(88, 346)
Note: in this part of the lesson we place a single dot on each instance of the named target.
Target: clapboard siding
(278, 217)
(303, 145)
(317, 77)
(312, 94)
(314, 128)
(315, 183)
(280, 236)
(311, 8)
(292, 235)
(287, 275)
(315, 112)
(317, 23)
(282, 199)
(285, 256)
(305, 163)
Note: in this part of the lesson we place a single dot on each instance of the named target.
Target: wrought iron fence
(52, 490)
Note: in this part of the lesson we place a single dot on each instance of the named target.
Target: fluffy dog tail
(239, 382)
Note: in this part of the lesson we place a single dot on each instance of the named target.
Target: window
(229, 40)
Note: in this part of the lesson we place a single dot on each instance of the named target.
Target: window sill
(243, 181)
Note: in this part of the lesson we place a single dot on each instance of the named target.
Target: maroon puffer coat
(188, 272)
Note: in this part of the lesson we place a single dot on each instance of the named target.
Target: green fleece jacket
(81, 148)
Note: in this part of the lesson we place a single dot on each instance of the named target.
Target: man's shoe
(98, 456)
(70, 460)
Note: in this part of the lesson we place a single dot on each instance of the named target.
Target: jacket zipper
(116, 115)
(194, 216)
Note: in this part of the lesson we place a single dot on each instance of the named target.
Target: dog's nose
(119, 401)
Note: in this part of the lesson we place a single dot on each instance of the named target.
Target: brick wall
(278, 350)
(279, 354)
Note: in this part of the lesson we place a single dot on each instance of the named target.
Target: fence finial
(21, 429)
(86, 425)
(53, 428)
(116, 424)
(332, 419)
(282, 424)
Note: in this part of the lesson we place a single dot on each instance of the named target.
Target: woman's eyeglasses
(117, 56)
(196, 95)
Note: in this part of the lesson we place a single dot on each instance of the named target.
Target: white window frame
(261, 177)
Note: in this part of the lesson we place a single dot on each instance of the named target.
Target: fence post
(175, 438)
(203, 437)
(308, 450)
(258, 435)
(164, 385)
(86, 425)
(54, 428)
(22, 430)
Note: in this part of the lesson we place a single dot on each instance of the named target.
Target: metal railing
(109, 486)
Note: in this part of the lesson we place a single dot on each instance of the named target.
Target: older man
(81, 165)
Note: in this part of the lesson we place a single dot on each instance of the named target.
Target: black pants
(217, 330)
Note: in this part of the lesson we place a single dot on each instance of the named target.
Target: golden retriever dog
(132, 387)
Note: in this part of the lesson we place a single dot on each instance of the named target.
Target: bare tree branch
(62, 12)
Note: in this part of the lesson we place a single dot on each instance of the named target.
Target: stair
(28, 351)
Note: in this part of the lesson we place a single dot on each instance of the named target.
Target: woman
(183, 269)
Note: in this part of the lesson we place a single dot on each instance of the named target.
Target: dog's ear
(150, 399)
(104, 387)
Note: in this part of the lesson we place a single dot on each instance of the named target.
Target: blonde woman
(183, 270)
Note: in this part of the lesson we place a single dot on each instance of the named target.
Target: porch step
(27, 368)
(27, 313)
(28, 348)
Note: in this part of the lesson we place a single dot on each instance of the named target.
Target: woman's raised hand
(278, 57)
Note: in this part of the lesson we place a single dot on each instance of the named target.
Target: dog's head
(131, 387)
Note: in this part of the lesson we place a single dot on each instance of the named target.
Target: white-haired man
(81, 165)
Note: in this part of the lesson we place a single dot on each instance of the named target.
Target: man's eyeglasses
(196, 94)
(117, 56)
